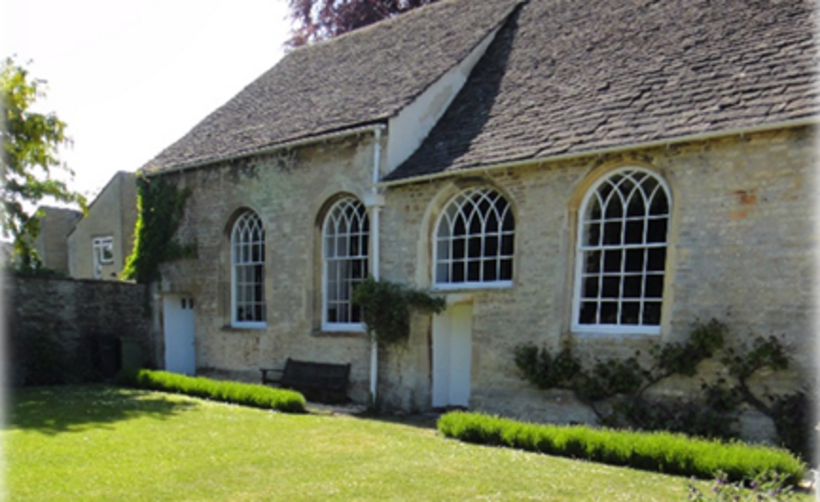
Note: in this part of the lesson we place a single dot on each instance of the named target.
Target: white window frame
(464, 207)
(99, 246)
(582, 248)
(347, 222)
(247, 254)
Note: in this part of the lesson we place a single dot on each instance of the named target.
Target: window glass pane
(609, 313)
(611, 287)
(458, 248)
(490, 272)
(473, 271)
(636, 206)
(656, 259)
(654, 286)
(590, 287)
(634, 232)
(588, 313)
(506, 269)
(593, 234)
(612, 260)
(651, 313)
(593, 261)
(634, 260)
(630, 313)
(633, 286)
(656, 230)
(458, 271)
(612, 232)
(474, 249)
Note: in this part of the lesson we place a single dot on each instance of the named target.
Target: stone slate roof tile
(564, 79)
(359, 78)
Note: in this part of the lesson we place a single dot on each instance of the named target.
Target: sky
(131, 78)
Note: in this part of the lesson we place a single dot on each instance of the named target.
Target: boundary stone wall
(68, 330)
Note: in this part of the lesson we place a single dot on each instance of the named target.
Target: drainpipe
(375, 201)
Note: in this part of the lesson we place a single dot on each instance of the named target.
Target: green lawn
(105, 443)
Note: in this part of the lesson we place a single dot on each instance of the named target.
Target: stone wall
(289, 193)
(77, 325)
(741, 251)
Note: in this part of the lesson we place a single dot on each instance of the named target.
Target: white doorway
(452, 356)
(178, 327)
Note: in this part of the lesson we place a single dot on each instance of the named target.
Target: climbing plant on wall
(386, 308)
(160, 207)
(616, 389)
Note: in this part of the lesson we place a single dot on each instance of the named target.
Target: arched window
(621, 254)
(474, 240)
(345, 244)
(248, 271)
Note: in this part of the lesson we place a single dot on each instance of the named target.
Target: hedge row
(652, 451)
(258, 396)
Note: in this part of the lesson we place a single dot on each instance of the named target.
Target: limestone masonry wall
(740, 250)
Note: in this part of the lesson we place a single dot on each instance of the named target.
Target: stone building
(55, 225)
(599, 176)
(99, 243)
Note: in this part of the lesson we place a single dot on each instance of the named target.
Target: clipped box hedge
(652, 451)
(258, 396)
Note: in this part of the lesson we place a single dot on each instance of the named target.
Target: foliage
(622, 384)
(792, 418)
(91, 443)
(766, 486)
(160, 206)
(657, 451)
(31, 143)
(316, 20)
(258, 396)
(386, 308)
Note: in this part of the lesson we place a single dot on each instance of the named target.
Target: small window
(345, 249)
(248, 272)
(621, 254)
(474, 241)
(103, 250)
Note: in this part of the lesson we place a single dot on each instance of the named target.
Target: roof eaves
(809, 121)
(360, 129)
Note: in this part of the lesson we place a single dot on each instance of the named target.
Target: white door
(178, 326)
(452, 356)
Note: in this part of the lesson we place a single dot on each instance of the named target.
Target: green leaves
(386, 308)
(161, 207)
(31, 143)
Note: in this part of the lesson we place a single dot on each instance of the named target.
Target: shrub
(258, 396)
(656, 451)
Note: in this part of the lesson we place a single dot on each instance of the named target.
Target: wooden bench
(321, 382)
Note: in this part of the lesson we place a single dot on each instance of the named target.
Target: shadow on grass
(55, 410)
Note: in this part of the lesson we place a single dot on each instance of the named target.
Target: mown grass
(104, 443)
(654, 451)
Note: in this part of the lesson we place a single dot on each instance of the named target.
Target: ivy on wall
(615, 389)
(160, 206)
(386, 308)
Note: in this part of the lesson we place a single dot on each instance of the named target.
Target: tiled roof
(571, 77)
(359, 78)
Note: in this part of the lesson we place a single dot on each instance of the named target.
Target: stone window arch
(621, 253)
(248, 271)
(345, 256)
(474, 240)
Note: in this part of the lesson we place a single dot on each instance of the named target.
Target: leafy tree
(29, 159)
(316, 20)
